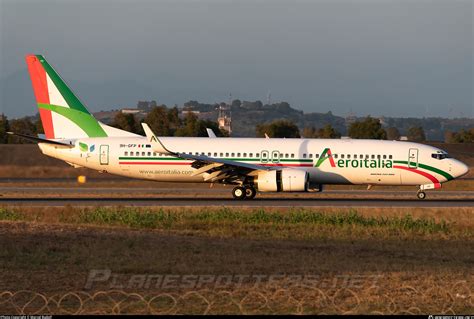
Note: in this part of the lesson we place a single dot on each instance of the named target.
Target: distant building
(146, 105)
(225, 119)
(130, 111)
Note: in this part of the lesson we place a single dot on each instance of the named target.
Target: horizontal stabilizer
(41, 140)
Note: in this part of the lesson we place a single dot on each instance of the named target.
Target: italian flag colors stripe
(181, 161)
(57, 104)
(428, 168)
(433, 179)
(40, 88)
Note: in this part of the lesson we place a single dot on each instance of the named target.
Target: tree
(326, 132)
(22, 126)
(191, 127)
(449, 137)
(416, 134)
(126, 122)
(368, 128)
(463, 136)
(393, 133)
(4, 128)
(173, 119)
(278, 128)
(158, 121)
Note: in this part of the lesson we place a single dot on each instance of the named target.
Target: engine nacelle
(285, 180)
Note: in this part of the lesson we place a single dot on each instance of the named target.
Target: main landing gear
(244, 192)
(421, 194)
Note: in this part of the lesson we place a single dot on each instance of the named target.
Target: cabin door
(104, 155)
(413, 158)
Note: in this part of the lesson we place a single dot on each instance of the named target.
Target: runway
(196, 195)
(220, 202)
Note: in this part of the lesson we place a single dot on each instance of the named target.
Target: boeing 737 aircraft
(73, 135)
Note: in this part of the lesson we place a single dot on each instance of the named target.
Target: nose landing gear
(421, 194)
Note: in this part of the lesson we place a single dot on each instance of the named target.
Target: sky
(410, 58)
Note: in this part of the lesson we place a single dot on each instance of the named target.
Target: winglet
(155, 141)
(210, 132)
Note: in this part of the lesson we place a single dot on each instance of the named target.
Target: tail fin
(62, 114)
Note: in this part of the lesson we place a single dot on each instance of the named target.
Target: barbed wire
(301, 300)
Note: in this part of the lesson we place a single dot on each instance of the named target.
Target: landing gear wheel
(421, 195)
(238, 192)
(250, 192)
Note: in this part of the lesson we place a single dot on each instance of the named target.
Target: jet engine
(285, 180)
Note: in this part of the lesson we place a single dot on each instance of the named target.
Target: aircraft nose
(460, 169)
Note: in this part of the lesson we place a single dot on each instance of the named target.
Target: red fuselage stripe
(429, 176)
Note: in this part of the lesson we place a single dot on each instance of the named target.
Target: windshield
(440, 156)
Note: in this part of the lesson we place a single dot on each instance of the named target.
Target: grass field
(292, 261)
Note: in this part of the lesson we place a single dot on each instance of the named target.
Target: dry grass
(399, 269)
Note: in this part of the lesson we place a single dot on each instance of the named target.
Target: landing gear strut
(247, 192)
(421, 194)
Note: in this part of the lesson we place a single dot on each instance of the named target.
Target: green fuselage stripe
(429, 168)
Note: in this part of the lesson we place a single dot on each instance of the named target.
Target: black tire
(250, 192)
(421, 195)
(238, 192)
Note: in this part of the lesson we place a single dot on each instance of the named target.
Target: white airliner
(73, 135)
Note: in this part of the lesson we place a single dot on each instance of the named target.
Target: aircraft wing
(213, 169)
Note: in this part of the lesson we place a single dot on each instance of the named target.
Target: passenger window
(373, 156)
(378, 156)
(149, 153)
(385, 157)
(310, 155)
(348, 156)
(257, 155)
(251, 155)
(316, 155)
(143, 153)
(245, 154)
(126, 153)
(342, 155)
(154, 153)
(215, 154)
(238, 154)
(226, 154)
(220, 154)
(292, 155)
(335, 155)
(304, 155)
(233, 154)
(367, 156)
(390, 156)
(361, 156)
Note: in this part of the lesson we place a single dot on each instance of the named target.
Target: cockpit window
(440, 156)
